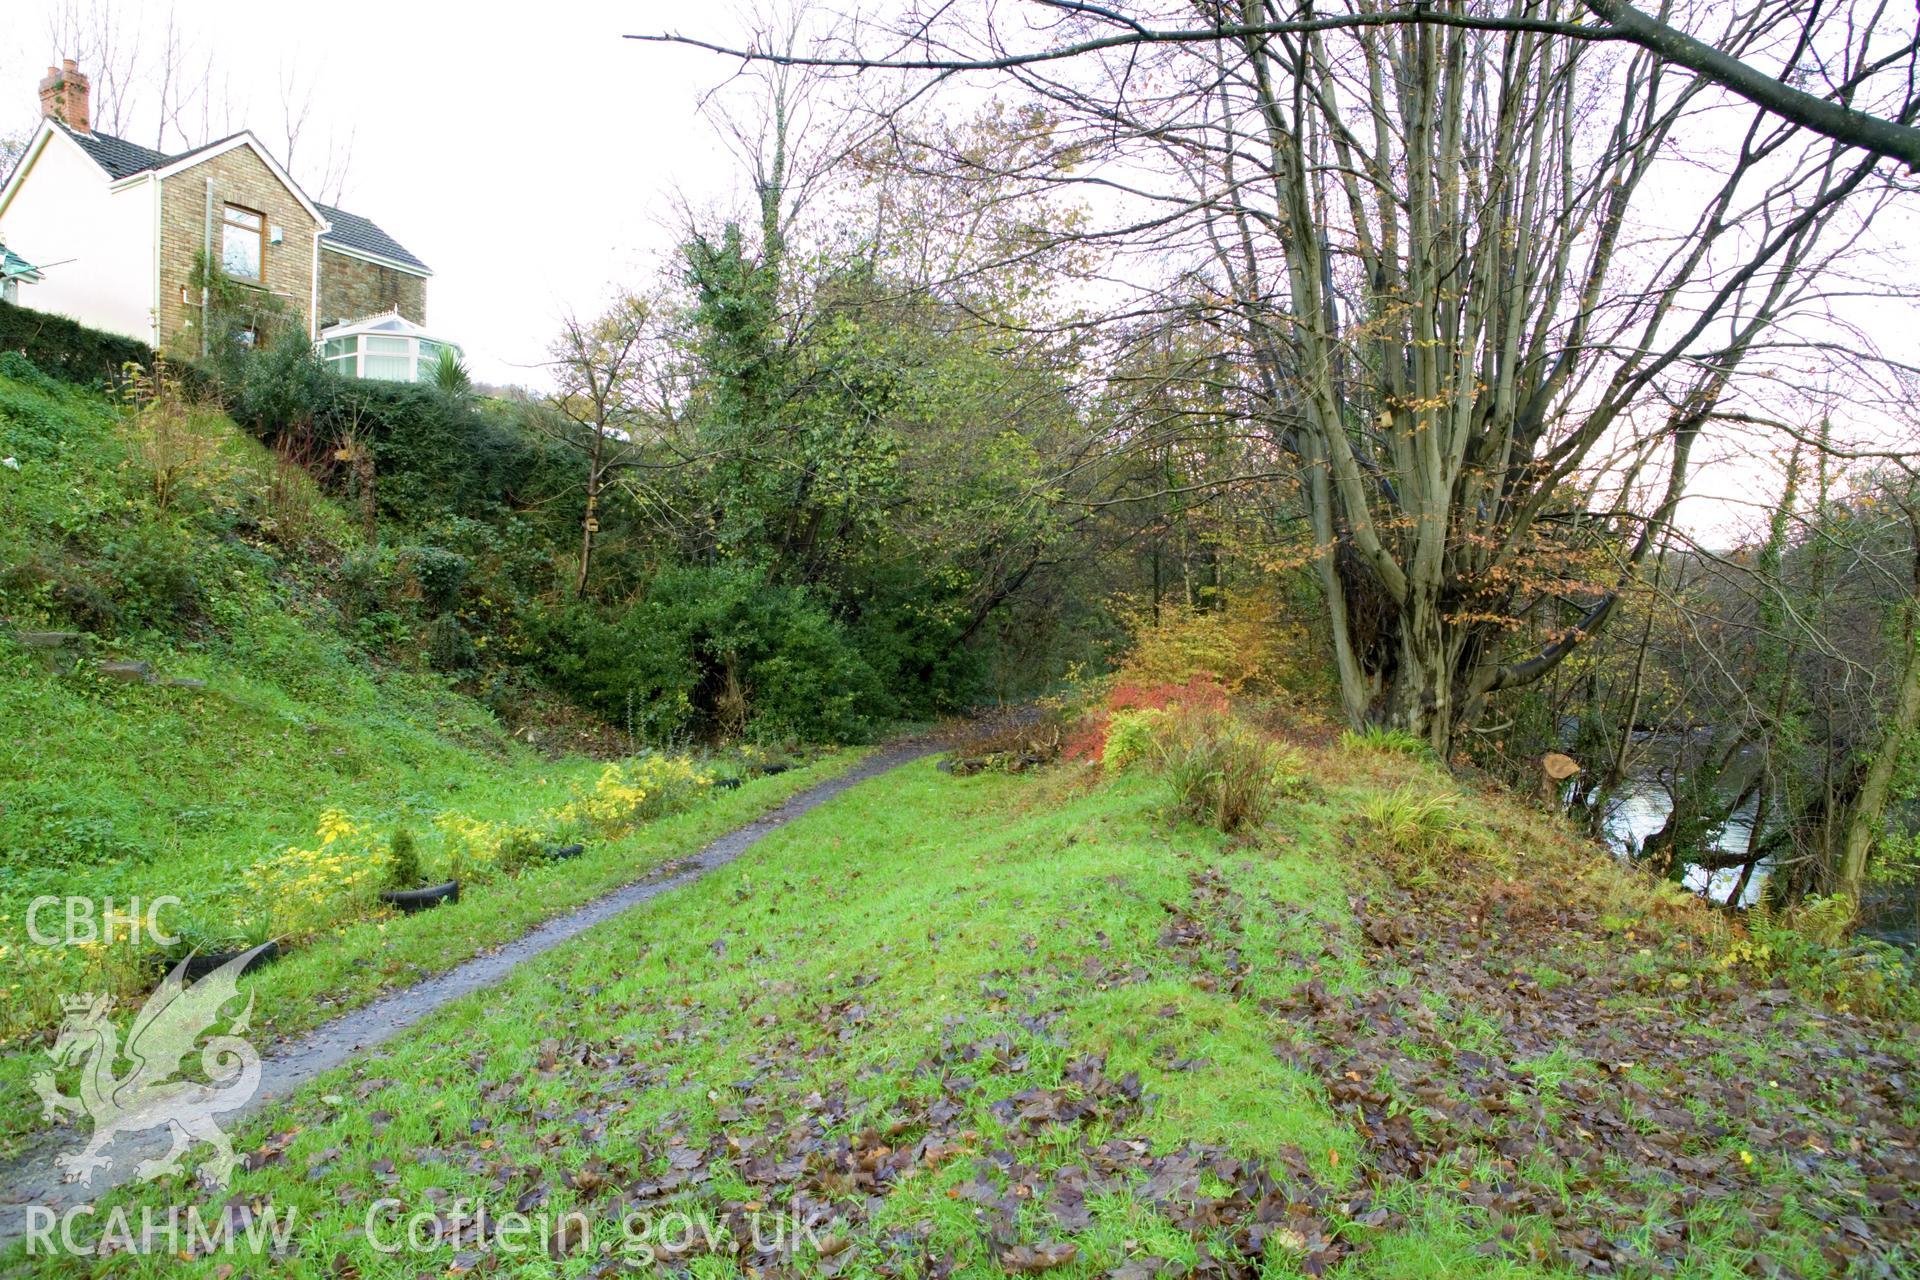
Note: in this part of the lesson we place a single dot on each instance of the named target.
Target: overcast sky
(534, 158)
(524, 151)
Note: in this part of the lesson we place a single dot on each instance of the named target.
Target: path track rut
(34, 1179)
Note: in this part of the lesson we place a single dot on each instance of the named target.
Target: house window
(243, 242)
(342, 355)
(386, 350)
(388, 358)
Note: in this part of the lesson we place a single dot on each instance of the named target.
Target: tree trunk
(591, 520)
(1420, 700)
(1863, 815)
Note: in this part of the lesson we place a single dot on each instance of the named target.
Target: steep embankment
(189, 712)
(989, 1024)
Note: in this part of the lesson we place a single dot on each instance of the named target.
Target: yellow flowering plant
(479, 848)
(36, 975)
(316, 885)
(625, 794)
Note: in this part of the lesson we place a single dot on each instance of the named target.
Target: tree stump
(1555, 769)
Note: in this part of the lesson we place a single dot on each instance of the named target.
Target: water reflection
(1640, 808)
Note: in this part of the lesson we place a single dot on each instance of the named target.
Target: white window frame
(356, 363)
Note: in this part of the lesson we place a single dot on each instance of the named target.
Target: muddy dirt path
(34, 1181)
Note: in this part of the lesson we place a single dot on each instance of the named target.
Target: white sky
(534, 158)
(524, 151)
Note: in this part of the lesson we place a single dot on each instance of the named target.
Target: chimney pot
(64, 97)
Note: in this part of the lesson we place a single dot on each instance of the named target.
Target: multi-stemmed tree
(1489, 279)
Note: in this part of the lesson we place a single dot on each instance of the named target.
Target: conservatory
(388, 347)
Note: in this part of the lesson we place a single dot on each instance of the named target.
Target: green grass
(367, 957)
(908, 968)
(840, 958)
(1026, 1022)
(134, 792)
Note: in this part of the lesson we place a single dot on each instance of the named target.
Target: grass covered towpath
(1030, 1024)
(34, 1179)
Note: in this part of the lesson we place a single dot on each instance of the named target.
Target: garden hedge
(67, 349)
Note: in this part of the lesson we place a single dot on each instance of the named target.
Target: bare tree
(1885, 128)
(169, 82)
(1462, 310)
(329, 180)
(610, 374)
(93, 35)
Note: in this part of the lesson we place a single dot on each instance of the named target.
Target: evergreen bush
(67, 349)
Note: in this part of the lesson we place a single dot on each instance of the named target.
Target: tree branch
(1621, 23)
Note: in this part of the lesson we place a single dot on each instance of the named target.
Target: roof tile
(123, 159)
(351, 231)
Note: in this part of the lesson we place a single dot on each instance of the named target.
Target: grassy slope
(134, 791)
(920, 1008)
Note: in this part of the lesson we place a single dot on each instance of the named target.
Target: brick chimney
(63, 96)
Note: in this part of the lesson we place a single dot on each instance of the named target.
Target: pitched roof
(350, 231)
(120, 158)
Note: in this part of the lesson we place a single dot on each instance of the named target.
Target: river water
(1640, 808)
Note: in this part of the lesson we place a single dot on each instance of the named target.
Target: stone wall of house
(240, 177)
(353, 289)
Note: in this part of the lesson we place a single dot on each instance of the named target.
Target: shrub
(15, 365)
(366, 580)
(634, 791)
(450, 375)
(1246, 644)
(440, 574)
(1809, 949)
(1413, 818)
(312, 887)
(518, 847)
(1016, 748)
(282, 385)
(404, 869)
(431, 451)
(913, 638)
(703, 638)
(1381, 740)
(449, 648)
(169, 437)
(1223, 774)
(66, 349)
(1419, 831)
(1181, 643)
(1131, 737)
(293, 507)
(1200, 692)
(149, 573)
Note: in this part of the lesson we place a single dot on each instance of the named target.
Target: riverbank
(1022, 1023)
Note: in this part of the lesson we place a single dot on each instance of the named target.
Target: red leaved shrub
(1201, 692)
